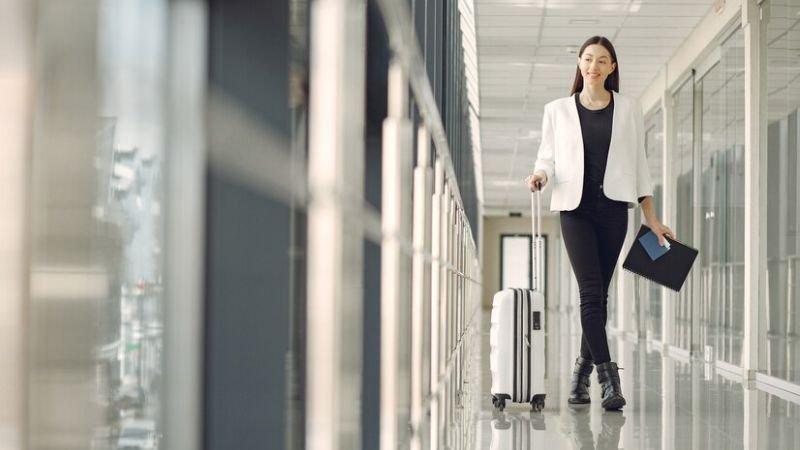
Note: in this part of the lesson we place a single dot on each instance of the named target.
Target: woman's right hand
(536, 181)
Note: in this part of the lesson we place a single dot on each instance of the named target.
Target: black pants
(593, 235)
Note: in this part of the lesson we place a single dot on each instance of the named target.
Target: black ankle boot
(608, 376)
(579, 388)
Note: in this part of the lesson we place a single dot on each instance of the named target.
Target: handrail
(405, 47)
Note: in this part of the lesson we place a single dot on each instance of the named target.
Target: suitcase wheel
(537, 403)
(499, 402)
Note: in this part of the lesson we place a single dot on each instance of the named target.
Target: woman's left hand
(660, 230)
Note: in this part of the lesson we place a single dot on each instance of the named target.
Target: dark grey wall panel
(249, 55)
(378, 56)
(248, 238)
(246, 314)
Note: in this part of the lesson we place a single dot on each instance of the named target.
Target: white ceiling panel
(523, 21)
(684, 8)
(667, 21)
(484, 9)
(527, 57)
(507, 40)
(510, 31)
(572, 36)
(651, 33)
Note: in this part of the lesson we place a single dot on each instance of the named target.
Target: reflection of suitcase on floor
(515, 431)
(517, 335)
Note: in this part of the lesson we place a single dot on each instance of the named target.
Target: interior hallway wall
(493, 228)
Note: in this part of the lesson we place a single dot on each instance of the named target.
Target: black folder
(669, 270)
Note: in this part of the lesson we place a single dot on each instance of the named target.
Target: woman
(592, 152)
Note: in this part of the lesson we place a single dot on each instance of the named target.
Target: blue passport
(650, 243)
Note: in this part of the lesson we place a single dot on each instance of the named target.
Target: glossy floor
(672, 404)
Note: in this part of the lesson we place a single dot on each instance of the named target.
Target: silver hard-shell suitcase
(517, 356)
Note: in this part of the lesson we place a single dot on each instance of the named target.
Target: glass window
(649, 293)
(721, 208)
(683, 168)
(783, 192)
(96, 251)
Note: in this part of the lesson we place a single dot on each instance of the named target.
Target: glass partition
(721, 209)
(648, 294)
(683, 169)
(783, 191)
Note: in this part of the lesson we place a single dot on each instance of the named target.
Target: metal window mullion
(406, 49)
(755, 232)
(395, 290)
(423, 180)
(695, 340)
(466, 255)
(184, 191)
(448, 277)
(461, 276)
(465, 270)
(456, 280)
(459, 296)
(435, 289)
(445, 277)
(335, 231)
(451, 278)
(448, 323)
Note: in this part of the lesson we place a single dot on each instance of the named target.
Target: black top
(596, 131)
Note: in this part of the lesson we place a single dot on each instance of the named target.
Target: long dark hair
(612, 82)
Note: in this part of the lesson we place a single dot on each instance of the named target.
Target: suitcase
(517, 355)
(517, 432)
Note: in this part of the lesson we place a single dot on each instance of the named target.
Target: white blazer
(560, 154)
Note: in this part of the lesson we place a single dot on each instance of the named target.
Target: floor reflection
(571, 428)
(672, 404)
(509, 430)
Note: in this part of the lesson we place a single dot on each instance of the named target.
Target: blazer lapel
(576, 125)
(615, 119)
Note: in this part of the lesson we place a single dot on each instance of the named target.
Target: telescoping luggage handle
(536, 226)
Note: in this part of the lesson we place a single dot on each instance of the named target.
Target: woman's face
(595, 65)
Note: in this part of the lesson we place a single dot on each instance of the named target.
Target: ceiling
(527, 54)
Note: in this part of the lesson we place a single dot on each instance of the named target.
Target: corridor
(673, 403)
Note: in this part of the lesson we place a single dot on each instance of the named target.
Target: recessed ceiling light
(584, 21)
(573, 50)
